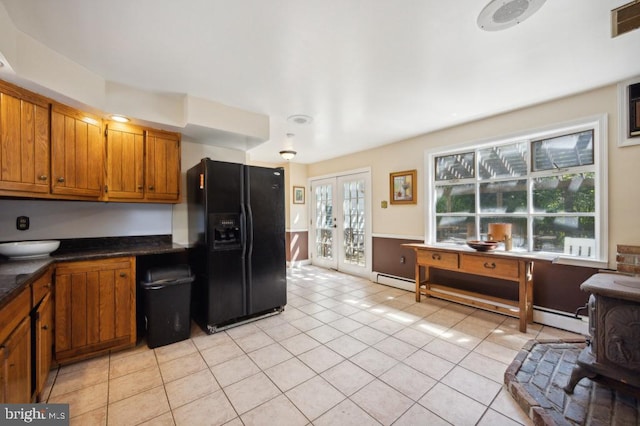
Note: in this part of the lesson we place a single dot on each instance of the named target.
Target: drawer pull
(436, 256)
(491, 265)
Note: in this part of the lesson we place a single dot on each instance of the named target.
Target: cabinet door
(76, 154)
(3, 383)
(94, 307)
(18, 364)
(125, 162)
(43, 342)
(162, 175)
(24, 141)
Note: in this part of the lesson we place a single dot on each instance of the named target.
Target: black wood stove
(613, 355)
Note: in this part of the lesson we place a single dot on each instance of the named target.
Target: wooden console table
(500, 265)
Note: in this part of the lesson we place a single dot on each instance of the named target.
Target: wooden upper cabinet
(162, 171)
(125, 162)
(77, 153)
(24, 141)
(142, 165)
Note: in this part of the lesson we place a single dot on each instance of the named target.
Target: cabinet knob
(42, 177)
(61, 179)
(140, 187)
(123, 275)
(151, 188)
(45, 327)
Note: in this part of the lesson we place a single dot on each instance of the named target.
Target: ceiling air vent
(625, 18)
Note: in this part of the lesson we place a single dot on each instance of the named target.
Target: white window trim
(600, 134)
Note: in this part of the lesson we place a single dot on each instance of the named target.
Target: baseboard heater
(394, 281)
(559, 319)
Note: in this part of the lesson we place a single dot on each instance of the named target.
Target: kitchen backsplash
(76, 219)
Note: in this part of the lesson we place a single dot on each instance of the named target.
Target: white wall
(408, 220)
(297, 217)
(78, 219)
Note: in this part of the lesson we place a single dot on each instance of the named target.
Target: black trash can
(167, 304)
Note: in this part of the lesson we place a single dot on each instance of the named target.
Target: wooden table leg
(522, 297)
(530, 292)
(417, 282)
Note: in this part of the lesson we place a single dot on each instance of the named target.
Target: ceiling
(369, 72)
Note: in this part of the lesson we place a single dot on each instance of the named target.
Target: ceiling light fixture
(119, 118)
(287, 154)
(299, 119)
(502, 14)
(90, 120)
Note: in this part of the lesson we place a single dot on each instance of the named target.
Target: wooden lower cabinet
(15, 341)
(95, 302)
(43, 353)
(3, 398)
(17, 364)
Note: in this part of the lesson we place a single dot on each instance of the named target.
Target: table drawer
(438, 259)
(491, 266)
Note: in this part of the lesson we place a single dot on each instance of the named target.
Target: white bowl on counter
(29, 249)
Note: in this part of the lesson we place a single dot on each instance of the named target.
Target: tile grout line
(433, 337)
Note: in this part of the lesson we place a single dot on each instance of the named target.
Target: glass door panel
(341, 229)
(353, 240)
(324, 226)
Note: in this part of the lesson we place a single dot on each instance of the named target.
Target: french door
(341, 228)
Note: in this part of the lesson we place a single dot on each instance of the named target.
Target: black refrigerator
(237, 242)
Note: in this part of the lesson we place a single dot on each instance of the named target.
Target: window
(550, 185)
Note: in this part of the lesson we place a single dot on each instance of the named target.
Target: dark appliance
(237, 239)
(613, 356)
(167, 302)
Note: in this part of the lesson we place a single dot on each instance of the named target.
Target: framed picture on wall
(629, 112)
(403, 187)
(298, 195)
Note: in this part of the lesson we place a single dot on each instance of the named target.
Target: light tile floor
(344, 352)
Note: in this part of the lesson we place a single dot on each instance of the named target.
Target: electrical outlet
(403, 260)
(22, 223)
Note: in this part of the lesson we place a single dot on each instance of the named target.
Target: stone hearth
(536, 378)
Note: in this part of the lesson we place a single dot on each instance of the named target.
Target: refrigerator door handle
(243, 229)
(250, 231)
(249, 256)
(243, 239)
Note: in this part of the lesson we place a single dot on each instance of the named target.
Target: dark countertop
(16, 274)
